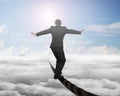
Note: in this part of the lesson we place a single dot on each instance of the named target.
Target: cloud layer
(96, 72)
(112, 28)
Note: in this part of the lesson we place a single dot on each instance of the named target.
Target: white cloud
(113, 28)
(9, 93)
(102, 87)
(24, 53)
(24, 50)
(1, 43)
(95, 69)
(34, 90)
(7, 51)
(6, 86)
(97, 50)
(103, 50)
(53, 83)
(97, 28)
(3, 28)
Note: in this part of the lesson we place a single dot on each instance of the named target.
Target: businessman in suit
(58, 32)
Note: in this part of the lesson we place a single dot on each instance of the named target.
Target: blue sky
(21, 17)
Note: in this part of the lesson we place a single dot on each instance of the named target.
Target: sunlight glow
(47, 13)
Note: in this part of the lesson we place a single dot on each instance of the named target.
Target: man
(58, 32)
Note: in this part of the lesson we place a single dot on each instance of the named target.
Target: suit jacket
(58, 33)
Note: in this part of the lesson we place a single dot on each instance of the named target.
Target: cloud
(24, 53)
(27, 75)
(6, 86)
(97, 28)
(31, 90)
(98, 67)
(97, 50)
(34, 90)
(113, 28)
(24, 50)
(7, 51)
(53, 83)
(9, 93)
(102, 87)
(3, 28)
(103, 50)
(1, 43)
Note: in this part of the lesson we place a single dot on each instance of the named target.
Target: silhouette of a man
(58, 32)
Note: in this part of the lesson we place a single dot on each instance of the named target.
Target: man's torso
(58, 34)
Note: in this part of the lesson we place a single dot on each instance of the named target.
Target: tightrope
(74, 89)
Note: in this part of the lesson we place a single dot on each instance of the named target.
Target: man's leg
(60, 56)
(60, 60)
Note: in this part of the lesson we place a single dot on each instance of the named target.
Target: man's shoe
(57, 76)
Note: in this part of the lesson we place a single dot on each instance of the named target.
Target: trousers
(60, 59)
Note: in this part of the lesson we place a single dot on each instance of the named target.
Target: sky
(99, 19)
(24, 58)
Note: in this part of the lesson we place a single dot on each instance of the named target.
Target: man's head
(58, 22)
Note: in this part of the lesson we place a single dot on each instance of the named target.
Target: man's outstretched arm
(41, 33)
(71, 31)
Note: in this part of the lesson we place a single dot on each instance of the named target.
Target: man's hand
(33, 33)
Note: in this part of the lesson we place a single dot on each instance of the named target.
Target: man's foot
(57, 76)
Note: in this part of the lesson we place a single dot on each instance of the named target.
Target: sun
(46, 14)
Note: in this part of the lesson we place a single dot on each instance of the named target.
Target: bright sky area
(99, 18)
